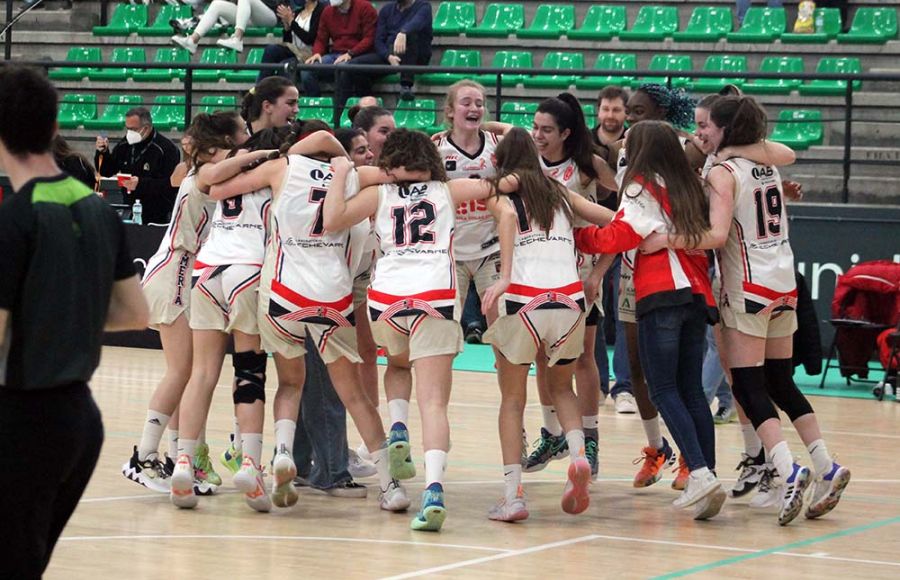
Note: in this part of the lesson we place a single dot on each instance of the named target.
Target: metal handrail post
(848, 124)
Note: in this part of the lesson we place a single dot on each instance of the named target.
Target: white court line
(476, 561)
(857, 434)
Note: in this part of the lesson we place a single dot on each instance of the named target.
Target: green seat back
(601, 22)
(670, 63)
(550, 21)
(254, 56)
(219, 56)
(830, 20)
(160, 26)
(455, 58)
(707, 22)
(656, 21)
(212, 103)
(126, 19)
(454, 17)
(875, 21)
(168, 112)
(75, 109)
(610, 61)
(721, 63)
(345, 119)
(77, 54)
(419, 114)
(833, 65)
(320, 108)
(113, 116)
(518, 114)
(120, 55)
(777, 64)
(799, 128)
(165, 55)
(763, 22)
(507, 59)
(499, 20)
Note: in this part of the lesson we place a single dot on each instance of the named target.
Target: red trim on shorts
(431, 295)
(767, 292)
(299, 300)
(523, 290)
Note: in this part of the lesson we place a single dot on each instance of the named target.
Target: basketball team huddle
(288, 237)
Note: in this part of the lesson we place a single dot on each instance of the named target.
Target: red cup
(121, 178)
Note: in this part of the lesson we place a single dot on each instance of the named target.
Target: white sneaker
(394, 498)
(249, 480)
(359, 467)
(182, 483)
(768, 492)
(363, 452)
(696, 488)
(151, 472)
(625, 404)
(283, 492)
(827, 490)
(792, 494)
(185, 43)
(510, 510)
(235, 44)
(710, 506)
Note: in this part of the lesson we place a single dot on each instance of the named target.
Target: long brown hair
(741, 118)
(413, 150)
(655, 152)
(579, 145)
(209, 132)
(542, 195)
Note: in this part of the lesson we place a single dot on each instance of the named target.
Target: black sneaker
(547, 448)
(473, 334)
(751, 471)
(150, 473)
(348, 488)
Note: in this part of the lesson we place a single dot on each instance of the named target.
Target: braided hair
(679, 105)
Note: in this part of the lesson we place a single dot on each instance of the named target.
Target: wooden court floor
(122, 530)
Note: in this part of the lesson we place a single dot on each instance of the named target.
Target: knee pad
(749, 388)
(782, 389)
(249, 377)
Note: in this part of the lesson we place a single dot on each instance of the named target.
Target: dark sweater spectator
(300, 29)
(73, 163)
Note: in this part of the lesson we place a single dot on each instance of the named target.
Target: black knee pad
(783, 390)
(749, 388)
(249, 377)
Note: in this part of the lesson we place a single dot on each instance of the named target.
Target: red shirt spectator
(350, 32)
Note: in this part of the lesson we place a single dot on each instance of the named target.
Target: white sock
(363, 452)
(399, 411)
(383, 467)
(821, 459)
(551, 421)
(236, 431)
(173, 444)
(651, 429)
(575, 439)
(187, 447)
(782, 460)
(153, 430)
(512, 477)
(252, 446)
(284, 435)
(590, 421)
(435, 466)
(752, 444)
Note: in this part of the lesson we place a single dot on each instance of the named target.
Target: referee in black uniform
(65, 275)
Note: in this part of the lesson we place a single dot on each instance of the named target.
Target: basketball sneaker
(575, 498)
(654, 461)
(697, 488)
(751, 471)
(283, 492)
(510, 510)
(249, 480)
(433, 513)
(711, 505)
(827, 490)
(591, 454)
(231, 458)
(792, 496)
(681, 474)
(151, 472)
(394, 498)
(359, 467)
(182, 492)
(203, 467)
(400, 453)
(547, 448)
(724, 415)
(768, 492)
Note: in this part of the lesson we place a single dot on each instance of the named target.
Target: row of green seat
(799, 129)
(673, 65)
(134, 19)
(656, 23)
(167, 111)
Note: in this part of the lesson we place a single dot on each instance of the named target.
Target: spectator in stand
(300, 28)
(242, 14)
(346, 32)
(72, 162)
(404, 36)
(149, 157)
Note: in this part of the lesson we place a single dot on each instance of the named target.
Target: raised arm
(318, 143)
(269, 174)
(763, 152)
(466, 189)
(496, 127)
(505, 216)
(213, 173)
(338, 213)
(605, 176)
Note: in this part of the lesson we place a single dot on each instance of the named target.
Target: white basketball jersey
(476, 232)
(415, 273)
(544, 270)
(757, 262)
(189, 225)
(238, 232)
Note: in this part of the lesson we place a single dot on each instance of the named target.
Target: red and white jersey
(415, 273)
(476, 232)
(308, 271)
(567, 173)
(665, 278)
(188, 227)
(238, 232)
(757, 264)
(544, 268)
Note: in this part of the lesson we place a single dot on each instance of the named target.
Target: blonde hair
(450, 102)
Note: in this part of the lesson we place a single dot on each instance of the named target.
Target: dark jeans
(471, 313)
(276, 53)
(320, 442)
(417, 53)
(672, 344)
(342, 83)
(621, 366)
(49, 444)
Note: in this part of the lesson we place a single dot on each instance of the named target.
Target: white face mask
(133, 137)
(336, 3)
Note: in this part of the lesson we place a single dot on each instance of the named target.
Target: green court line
(783, 548)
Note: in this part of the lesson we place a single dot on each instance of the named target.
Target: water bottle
(820, 22)
(137, 212)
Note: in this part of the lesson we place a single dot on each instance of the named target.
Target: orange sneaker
(681, 474)
(654, 461)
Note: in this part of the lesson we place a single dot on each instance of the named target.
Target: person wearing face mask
(149, 157)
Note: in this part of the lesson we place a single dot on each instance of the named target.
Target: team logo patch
(450, 165)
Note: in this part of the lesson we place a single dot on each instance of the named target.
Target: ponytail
(579, 145)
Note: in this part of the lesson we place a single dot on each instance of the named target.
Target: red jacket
(353, 32)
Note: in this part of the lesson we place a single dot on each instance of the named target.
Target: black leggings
(49, 444)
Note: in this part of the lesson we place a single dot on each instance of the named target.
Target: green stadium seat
(419, 114)
(77, 54)
(161, 75)
(210, 104)
(610, 61)
(220, 56)
(160, 26)
(518, 114)
(799, 129)
(833, 65)
(707, 24)
(507, 59)
(320, 108)
(254, 56)
(345, 119)
(760, 25)
(127, 19)
(871, 26)
(827, 23)
(776, 64)
(453, 18)
(113, 117)
(260, 31)
(120, 55)
(556, 61)
(652, 23)
(456, 58)
(168, 112)
(550, 21)
(75, 109)
(590, 113)
(499, 20)
(669, 63)
(600, 23)
(724, 63)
